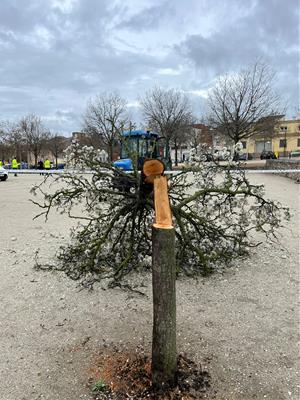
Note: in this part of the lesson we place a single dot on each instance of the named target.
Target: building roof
(200, 126)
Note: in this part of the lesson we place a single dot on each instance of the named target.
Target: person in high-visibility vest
(14, 165)
(47, 164)
(1, 163)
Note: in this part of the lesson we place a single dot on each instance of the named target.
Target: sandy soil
(243, 326)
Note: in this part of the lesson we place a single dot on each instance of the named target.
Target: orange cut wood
(163, 215)
(153, 167)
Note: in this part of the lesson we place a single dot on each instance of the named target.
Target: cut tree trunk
(163, 216)
(164, 355)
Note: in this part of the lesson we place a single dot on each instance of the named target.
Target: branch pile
(215, 210)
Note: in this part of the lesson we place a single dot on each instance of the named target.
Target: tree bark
(28, 158)
(176, 152)
(110, 151)
(164, 356)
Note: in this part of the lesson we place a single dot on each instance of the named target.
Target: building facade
(284, 138)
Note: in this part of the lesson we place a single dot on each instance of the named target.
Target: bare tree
(195, 137)
(106, 117)
(12, 140)
(241, 105)
(3, 143)
(35, 135)
(169, 113)
(57, 144)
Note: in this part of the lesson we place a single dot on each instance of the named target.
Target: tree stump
(164, 355)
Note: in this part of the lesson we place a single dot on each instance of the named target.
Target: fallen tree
(215, 211)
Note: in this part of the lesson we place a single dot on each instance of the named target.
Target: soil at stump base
(127, 375)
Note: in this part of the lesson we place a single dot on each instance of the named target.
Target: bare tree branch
(244, 104)
(34, 133)
(169, 113)
(214, 214)
(105, 117)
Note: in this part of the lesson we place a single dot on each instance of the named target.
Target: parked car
(245, 157)
(294, 153)
(268, 155)
(3, 174)
(61, 166)
(24, 165)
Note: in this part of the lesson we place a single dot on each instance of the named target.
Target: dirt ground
(243, 326)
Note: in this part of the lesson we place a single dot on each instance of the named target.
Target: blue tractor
(139, 145)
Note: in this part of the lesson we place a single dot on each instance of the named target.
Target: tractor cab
(138, 145)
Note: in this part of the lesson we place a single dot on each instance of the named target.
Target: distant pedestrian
(1, 163)
(47, 164)
(40, 166)
(14, 165)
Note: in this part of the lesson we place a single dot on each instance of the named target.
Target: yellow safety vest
(47, 164)
(14, 164)
(1, 163)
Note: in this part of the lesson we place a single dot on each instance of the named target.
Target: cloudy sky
(56, 54)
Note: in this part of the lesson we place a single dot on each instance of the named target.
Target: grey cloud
(78, 49)
(149, 18)
(52, 72)
(269, 32)
(278, 19)
(21, 18)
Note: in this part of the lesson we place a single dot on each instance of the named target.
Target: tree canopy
(215, 210)
(168, 112)
(105, 117)
(243, 104)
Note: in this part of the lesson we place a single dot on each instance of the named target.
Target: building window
(282, 143)
(244, 144)
(298, 142)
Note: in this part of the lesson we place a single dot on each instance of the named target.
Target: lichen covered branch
(214, 209)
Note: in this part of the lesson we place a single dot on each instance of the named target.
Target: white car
(3, 174)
